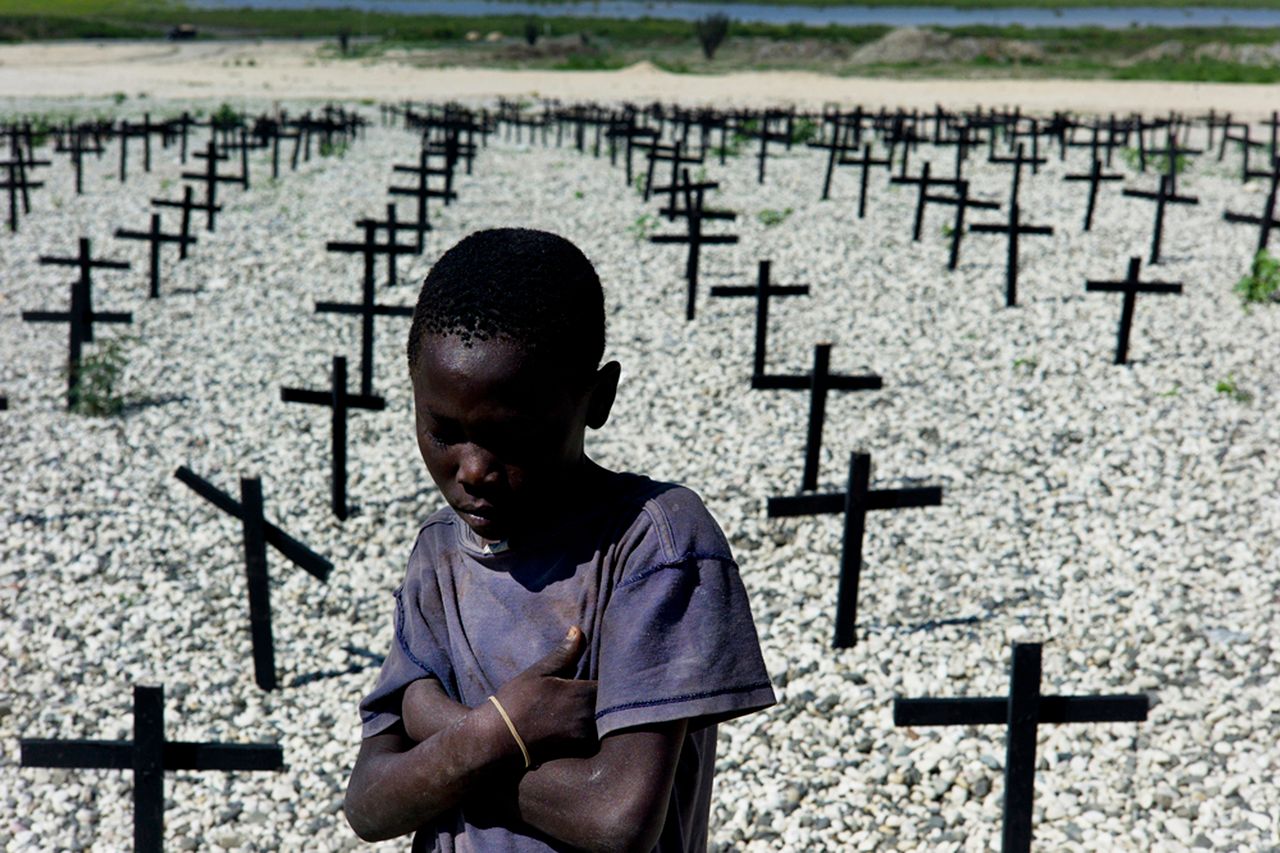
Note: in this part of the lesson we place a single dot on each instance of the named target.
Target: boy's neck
(566, 502)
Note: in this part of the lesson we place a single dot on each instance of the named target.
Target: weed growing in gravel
(577, 194)
(225, 116)
(1263, 281)
(329, 148)
(645, 224)
(97, 383)
(1028, 363)
(770, 217)
(119, 98)
(1229, 387)
(1157, 162)
(1172, 392)
(639, 184)
(947, 230)
(804, 130)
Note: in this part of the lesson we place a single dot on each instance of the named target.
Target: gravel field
(1126, 516)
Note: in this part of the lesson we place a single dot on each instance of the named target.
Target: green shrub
(770, 217)
(97, 381)
(1262, 282)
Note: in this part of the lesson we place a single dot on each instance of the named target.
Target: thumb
(564, 655)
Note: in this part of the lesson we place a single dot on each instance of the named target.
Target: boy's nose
(477, 467)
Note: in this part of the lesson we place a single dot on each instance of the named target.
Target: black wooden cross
(149, 755)
(156, 238)
(1095, 176)
(79, 143)
(1268, 219)
(1130, 287)
(187, 205)
(18, 185)
(866, 161)
(422, 191)
(211, 179)
(129, 129)
(1167, 194)
(1018, 160)
(1013, 229)
(1021, 712)
(766, 135)
(258, 534)
(922, 182)
(341, 402)
(962, 202)
(695, 213)
(367, 308)
(819, 381)
(761, 291)
(855, 502)
(845, 132)
(80, 315)
(391, 248)
(674, 154)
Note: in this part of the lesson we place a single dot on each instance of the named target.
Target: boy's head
(504, 356)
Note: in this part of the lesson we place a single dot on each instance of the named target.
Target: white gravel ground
(1127, 517)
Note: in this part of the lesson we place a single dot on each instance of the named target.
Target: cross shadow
(132, 407)
(373, 659)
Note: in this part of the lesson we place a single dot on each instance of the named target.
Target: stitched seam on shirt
(649, 703)
(404, 647)
(674, 564)
(662, 526)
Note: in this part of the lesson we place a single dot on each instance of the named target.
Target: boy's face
(501, 433)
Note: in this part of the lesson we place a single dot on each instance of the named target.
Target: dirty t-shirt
(646, 573)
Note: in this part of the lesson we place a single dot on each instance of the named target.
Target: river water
(817, 16)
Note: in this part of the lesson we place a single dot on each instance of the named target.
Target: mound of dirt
(913, 46)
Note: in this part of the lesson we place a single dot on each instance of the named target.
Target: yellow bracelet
(511, 727)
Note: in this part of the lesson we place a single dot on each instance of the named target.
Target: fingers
(563, 657)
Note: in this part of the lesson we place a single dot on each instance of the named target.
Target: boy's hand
(554, 714)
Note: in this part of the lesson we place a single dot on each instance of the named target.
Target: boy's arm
(397, 786)
(615, 799)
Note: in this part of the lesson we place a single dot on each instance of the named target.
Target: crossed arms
(596, 795)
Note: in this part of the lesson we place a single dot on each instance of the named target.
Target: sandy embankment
(292, 69)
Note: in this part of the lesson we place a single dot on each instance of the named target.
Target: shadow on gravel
(373, 659)
(132, 407)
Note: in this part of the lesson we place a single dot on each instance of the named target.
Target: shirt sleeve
(677, 638)
(380, 708)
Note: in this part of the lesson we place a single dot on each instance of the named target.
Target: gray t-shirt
(647, 574)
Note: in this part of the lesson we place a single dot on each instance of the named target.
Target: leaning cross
(258, 533)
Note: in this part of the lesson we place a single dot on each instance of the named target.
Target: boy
(566, 637)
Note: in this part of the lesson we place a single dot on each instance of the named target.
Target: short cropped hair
(533, 288)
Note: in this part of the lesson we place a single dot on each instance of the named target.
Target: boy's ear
(603, 394)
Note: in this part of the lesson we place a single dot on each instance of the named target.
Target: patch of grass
(1262, 282)
(97, 383)
(331, 148)
(643, 227)
(770, 217)
(803, 130)
(1229, 387)
(226, 116)
(1199, 71)
(1027, 363)
(589, 62)
(639, 183)
(948, 230)
(1159, 163)
(578, 194)
(119, 98)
